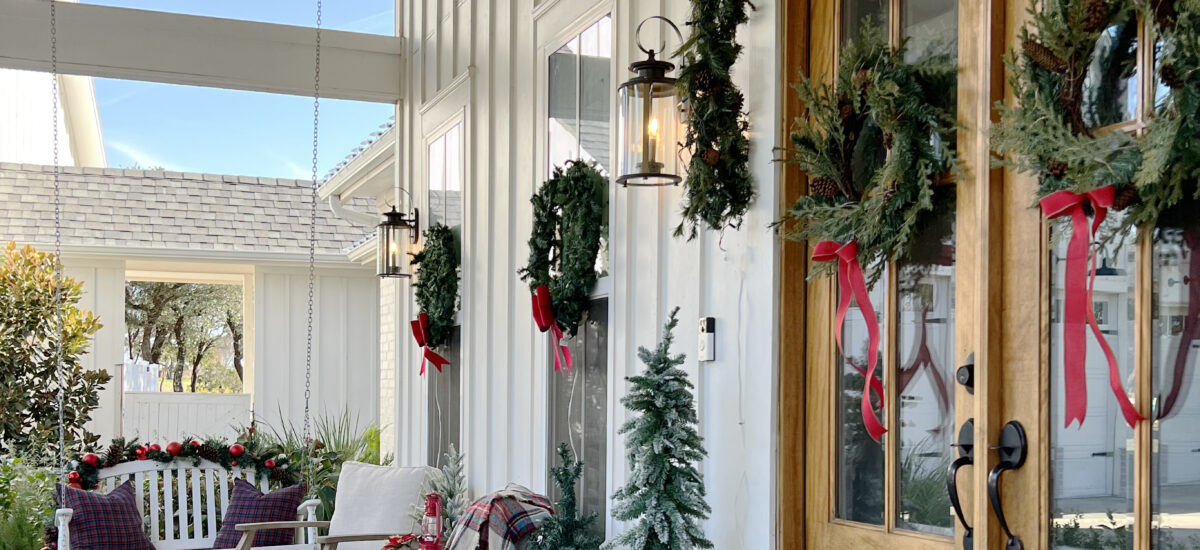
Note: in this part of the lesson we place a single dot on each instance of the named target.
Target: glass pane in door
(1175, 467)
(1110, 86)
(860, 460)
(931, 28)
(1091, 492)
(925, 375)
(855, 12)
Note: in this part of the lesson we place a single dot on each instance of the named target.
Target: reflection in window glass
(931, 28)
(445, 178)
(1110, 86)
(860, 459)
(579, 410)
(365, 16)
(1175, 466)
(1092, 464)
(925, 374)
(855, 12)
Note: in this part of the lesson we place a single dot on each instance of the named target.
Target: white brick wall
(388, 334)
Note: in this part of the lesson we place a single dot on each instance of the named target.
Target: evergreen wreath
(570, 215)
(436, 287)
(874, 145)
(719, 188)
(273, 463)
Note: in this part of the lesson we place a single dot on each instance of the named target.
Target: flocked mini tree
(665, 492)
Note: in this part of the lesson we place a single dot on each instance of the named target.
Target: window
(579, 99)
(445, 178)
(914, 304)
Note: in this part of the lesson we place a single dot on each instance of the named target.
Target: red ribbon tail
(863, 297)
(1128, 410)
(422, 373)
(433, 357)
(1075, 309)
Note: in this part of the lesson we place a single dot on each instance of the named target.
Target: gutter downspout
(339, 209)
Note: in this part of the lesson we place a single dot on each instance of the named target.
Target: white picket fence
(161, 417)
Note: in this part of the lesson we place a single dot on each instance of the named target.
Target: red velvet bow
(543, 315)
(420, 330)
(853, 283)
(1078, 314)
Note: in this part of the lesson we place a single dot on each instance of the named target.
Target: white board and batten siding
(483, 61)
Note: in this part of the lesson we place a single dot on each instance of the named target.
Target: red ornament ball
(174, 448)
(236, 450)
(140, 453)
(74, 477)
(195, 443)
(155, 447)
(233, 463)
(269, 464)
(91, 459)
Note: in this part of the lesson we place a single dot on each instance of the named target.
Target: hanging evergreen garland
(719, 188)
(570, 215)
(244, 453)
(874, 146)
(436, 287)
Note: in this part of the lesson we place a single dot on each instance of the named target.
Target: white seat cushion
(375, 499)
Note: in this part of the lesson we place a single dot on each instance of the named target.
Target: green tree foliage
(873, 145)
(26, 504)
(186, 327)
(719, 188)
(566, 530)
(665, 492)
(29, 383)
(436, 287)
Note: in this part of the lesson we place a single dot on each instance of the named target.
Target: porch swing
(163, 492)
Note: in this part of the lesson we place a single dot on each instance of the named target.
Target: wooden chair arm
(248, 530)
(331, 543)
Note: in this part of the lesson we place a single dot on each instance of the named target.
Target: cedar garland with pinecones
(874, 145)
(718, 189)
(246, 452)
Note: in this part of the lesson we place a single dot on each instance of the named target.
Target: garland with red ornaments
(265, 461)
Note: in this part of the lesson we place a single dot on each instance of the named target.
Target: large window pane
(1092, 464)
(579, 94)
(926, 375)
(444, 405)
(218, 131)
(1175, 474)
(860, 459)
(365, 16)
(579, 409)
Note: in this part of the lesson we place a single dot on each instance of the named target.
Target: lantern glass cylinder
(648, 123)
(390, 260)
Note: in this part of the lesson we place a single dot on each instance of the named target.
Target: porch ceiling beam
(170, 48)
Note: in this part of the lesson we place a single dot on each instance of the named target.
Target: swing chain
(58, 298)
(312, 247)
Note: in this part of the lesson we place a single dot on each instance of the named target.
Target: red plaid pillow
(249, 505)
(106, 522)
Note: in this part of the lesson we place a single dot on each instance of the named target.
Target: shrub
(28, 348)
(26, 504)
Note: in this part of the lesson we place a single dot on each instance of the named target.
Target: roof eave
(369, 174)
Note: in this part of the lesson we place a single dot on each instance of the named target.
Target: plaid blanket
(500, 520)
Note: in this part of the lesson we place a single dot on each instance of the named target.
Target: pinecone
(208, 452)
(1042, 55)
(862, 79)
(1125, 198)
(1170, 77)
(1164, 13)
(711, 156)
(823, 187)
(845, 109)
(1056, 168)
(704, 81)
(1097, 15)
(114, 455)
(280, 475)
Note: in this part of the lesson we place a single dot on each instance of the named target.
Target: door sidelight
(966, 456)
(1011, 451)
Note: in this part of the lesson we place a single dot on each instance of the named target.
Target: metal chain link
(58, 271)
(312, 248)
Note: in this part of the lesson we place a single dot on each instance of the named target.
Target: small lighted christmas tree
(665, 492)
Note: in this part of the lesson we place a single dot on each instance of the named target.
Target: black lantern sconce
(648, 120)
(391, 257)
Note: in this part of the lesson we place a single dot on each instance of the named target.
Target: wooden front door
(997, 307)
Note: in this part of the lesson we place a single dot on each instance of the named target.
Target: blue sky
(210, 130)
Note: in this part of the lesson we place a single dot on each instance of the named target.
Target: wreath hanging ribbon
(853, 284)
(1078, 314)
(420, 330)
(1191, 323)
(543, 315)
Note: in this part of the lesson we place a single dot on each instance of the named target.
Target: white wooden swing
(182, 501)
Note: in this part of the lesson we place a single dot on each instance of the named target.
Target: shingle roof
(153, 209)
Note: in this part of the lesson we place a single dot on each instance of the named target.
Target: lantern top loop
(637, 35)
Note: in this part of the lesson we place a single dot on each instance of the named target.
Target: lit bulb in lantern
(652, 139)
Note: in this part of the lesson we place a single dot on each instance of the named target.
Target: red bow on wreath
(420, 330)
(543, 315)
(1080, 280)
(853, 283)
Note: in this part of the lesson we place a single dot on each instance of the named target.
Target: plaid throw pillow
(249, 505)
(105, 522)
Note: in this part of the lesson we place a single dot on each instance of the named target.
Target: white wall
(103, 294)
(26, 132)
(481, 61)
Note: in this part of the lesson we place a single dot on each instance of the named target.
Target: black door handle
(966, 456)
(1012, 450)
